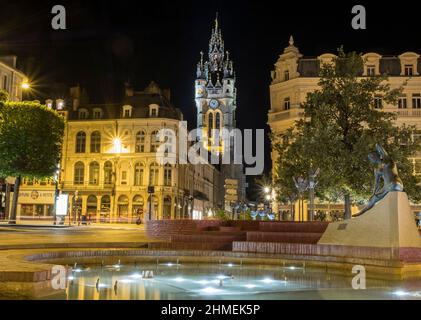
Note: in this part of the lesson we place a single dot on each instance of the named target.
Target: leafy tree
(30, 143)
(341, 125)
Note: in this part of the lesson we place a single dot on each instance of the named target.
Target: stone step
(285, 237)
(226, 246)
(310, 227)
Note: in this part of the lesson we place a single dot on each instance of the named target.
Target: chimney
(167, 94)
(128, 89)
(75, 95)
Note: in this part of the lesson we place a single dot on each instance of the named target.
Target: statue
(385, 168)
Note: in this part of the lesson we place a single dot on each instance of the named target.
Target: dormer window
(83, 114)
(371, 64)
(97, 113)
(153, 110)
(60, 104)
(49, 103)
(409, 61)
(371, 70)
(127, 111)
(409, 70)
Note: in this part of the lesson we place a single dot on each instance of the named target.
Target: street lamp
(26, 85)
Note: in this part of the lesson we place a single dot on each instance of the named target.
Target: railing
(286, 114)
(406, 112)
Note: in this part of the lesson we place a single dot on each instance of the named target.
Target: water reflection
(201, 281)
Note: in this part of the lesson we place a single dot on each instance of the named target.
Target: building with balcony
(295, 75)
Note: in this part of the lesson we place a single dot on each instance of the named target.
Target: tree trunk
(7, 202)
(13, 211)
(347, 204)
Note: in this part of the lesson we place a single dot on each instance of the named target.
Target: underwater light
(250, 286)
(71, 278)
(210, 290)
(77, 270)
(169, 264)
(400, 293)
(230, 265)
(267, 280)
(136, 276)
(203, 282)
(179, 279)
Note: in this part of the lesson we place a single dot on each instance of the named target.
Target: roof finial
(216, 21)
(291, 40)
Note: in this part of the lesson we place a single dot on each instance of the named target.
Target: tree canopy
(342, 122)
(30, 139)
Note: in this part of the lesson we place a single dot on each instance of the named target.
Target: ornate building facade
(109, 162)
(216, 104)
(295, 76)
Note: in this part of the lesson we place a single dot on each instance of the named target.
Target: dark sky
(108, 42)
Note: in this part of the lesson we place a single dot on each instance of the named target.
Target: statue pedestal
(389, 224)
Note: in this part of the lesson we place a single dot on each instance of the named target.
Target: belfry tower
(216, 103)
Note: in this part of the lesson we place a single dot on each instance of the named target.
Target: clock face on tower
(214, 103)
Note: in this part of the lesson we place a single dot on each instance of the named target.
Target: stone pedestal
(389, 224)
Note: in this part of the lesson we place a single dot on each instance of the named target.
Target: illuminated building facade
(295, 76)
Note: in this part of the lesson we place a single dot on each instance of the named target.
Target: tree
(341, 125)
(30, 143)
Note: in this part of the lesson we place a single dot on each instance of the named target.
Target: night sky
(109, 42)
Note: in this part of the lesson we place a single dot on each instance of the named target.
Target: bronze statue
(385, 168)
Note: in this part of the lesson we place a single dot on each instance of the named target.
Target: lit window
(127, 111)
(371, 70)
(96, 142)
(154, 141)
(167, 175)
(124, 177)
(138, 174)
(416, 101)
(79, 173)
(378, 103)
(287, 104)
(108, 173)
(153, 174)
(94, 173)
(402, 103)
(140, 141)
(80, 142)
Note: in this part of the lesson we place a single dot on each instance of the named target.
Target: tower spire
(216, 21)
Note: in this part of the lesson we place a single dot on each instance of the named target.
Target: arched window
(94, 173)
(79, 173)
(123, 207)
(218, 121)
(80, 142)
(153, 174)
(108, 173)
(105, 204)
(210, 124)
(96, 142)
(140, 141)
(154, 141)
(167, 175)
(92, 205)
(137, 206)
(138, 174)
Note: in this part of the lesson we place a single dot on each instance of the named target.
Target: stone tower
(216, 103)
